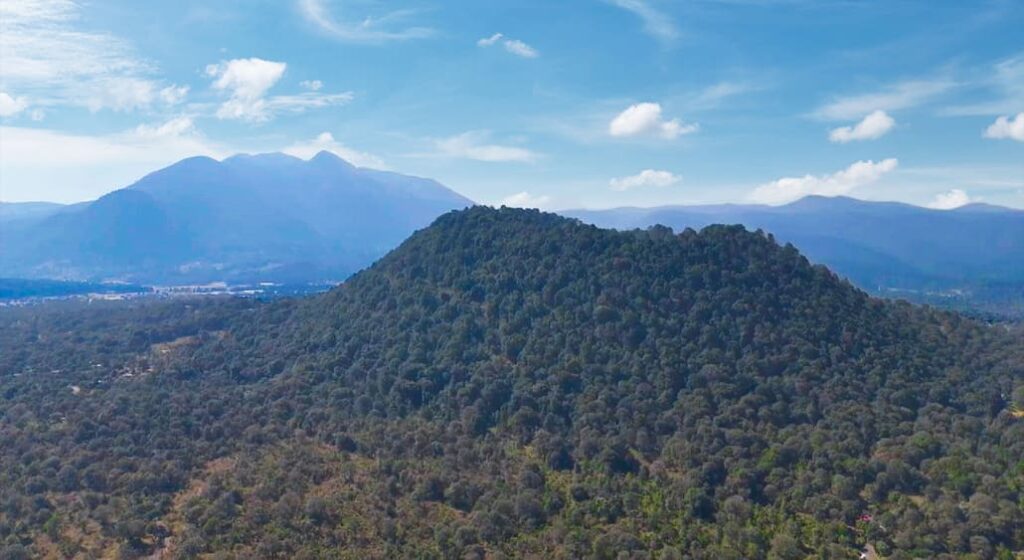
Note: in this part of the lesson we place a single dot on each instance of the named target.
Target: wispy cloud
(172, 95)
(644, 119)
(646, 178)
(901, 95)
(656, 23)
(160, 141)
(713, 95)
(475, 145)
(174, 128)
(490, 41)
(1002, 83)
(91, 165)
(296, 103)
(514, 46)
(246, 81)
(873, 126)
(370, 30)
(49, 60)
(991, 178)
(839, 183)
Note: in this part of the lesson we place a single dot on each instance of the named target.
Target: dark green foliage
(970, 258)
(514, 383)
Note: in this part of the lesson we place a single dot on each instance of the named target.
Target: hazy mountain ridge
(251, 217)
(13, 211)
(878, 245)
(276, 217)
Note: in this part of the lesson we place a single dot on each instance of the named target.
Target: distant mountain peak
(324, 157)
(327, 155)
(250, 216)
(817, 202)
(188, 167)
(190, 162)
(822, 200)
(984, 207)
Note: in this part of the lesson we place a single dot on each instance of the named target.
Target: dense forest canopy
(510, 383)
(968, 257)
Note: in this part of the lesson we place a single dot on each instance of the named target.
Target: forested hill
(509, 383)
(880, 246)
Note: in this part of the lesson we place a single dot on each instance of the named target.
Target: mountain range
(274, 217)
(248, 217)
(514, 384)
(878, 245)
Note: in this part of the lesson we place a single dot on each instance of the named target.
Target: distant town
(20, 292)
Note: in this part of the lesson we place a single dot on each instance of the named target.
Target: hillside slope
(509, 383)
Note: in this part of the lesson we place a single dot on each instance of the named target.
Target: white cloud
(308, 100)
(712, 96)
(646, 119)
(48, 58)
(519, 48)
(10, 106)
(91, 165)
(514, 46)
(526, 200)
(656, 24)
(122, 94)
(311, 85)
(325, 142)
(1007, 127)
(242, 109)
(172, 95)
(898, 96)
(246, 78)
(873, 126)
(488, 41)
(839, 183)
(646, 178)
(369, 30)
(949, 200)
(247, 81)
(174, 127)
(473, 145)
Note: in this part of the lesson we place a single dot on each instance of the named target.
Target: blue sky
(567, 104)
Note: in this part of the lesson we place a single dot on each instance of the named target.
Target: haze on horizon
(596, 103)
